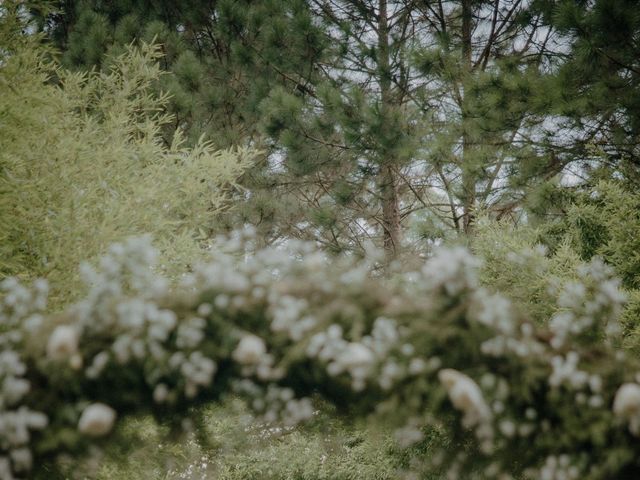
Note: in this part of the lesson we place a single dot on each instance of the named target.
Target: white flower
(455, 269)
(417, 366)
(63, 342)
(466, 396)
(97, 420)
(626, 405)
(22, 459)
(627, 400)
(357, 355)
(250, 350)
(160, 393)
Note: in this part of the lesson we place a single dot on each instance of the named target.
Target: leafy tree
(84, 164)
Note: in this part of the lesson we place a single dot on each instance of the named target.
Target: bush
(83, 164)
(428, 349)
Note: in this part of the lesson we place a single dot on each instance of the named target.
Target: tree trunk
(387, 179)
(388, 186)
(468, 175)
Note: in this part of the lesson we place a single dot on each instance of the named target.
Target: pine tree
(222, 60)
(372, 115)
(599, 89)
(420, 99)
(221, 57)
(594, 100)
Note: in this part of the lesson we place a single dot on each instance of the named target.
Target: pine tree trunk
(390, 211)
(468, 177)
(387, 181)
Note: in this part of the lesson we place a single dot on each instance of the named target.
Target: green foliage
(599, 221)
(516, 264)
(369, 128)
(239, 447)
(602, 77)
(84, 163)
(606, 223)
(602, 221)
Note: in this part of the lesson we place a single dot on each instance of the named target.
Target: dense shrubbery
(428, 349)
(83, 164)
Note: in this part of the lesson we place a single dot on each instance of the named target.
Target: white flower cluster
(454, 269)
(224, 273)
(122, 323)
(593, 301)
(97, 420)
(143, 328)
(250, 350)
(121, 305)
(495, 311)
(556, 467)
(14, 386)
(359, 358)
(127, 268)
(466, 396)
(198, 371)
(626, 405)
(63, 344)
(288, 315)
(15, 425)
(517, 426)
(565, 372)
(385, 336)
(19, 307)
(190, 333)
(522, 343)
(221, 273)
(251, 353)
(19, 303)
(342, 356)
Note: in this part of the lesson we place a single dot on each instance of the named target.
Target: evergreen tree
(371, 115)
(427, 107)
(488, 64)
(599, 89)
(222, 59)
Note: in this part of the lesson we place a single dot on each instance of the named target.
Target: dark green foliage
(599, 85)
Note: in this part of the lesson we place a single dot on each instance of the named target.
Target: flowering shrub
(425, 349)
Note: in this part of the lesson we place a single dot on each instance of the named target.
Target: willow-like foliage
(83, 163)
